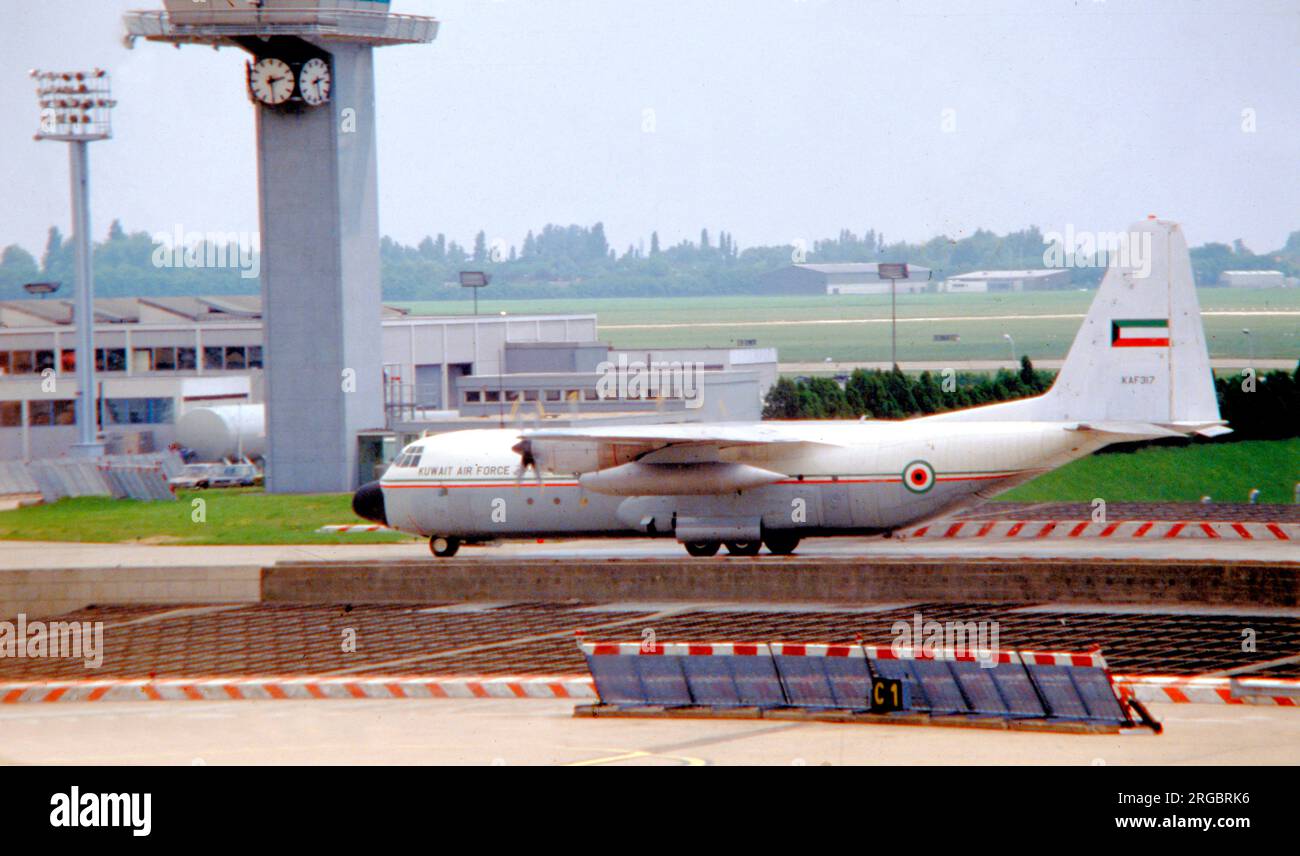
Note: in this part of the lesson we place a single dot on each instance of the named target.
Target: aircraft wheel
(444, 546)
(781, 543)
(744, 548)
(702, 548)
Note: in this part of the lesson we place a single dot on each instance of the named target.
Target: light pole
(1007, 336)
(41, 288)
(75, 109)
(893, 272)
(474, 279)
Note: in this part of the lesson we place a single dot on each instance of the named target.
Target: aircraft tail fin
(1140, 356)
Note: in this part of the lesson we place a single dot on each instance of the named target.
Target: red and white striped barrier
(799, 649)
(224, 689)
(1089, 660)
(1152, 530)
(1144, 688)
(675, 649)
(1181, 690)
(353, 527)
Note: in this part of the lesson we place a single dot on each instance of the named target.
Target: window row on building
(116, 411)
(492, 396)
(161, 359)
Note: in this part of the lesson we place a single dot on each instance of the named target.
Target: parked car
(193, 476)
(199, 476)
(235, 475)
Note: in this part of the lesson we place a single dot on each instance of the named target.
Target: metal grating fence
(121, 476)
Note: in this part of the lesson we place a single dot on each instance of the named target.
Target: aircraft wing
(739, 434)
(685, 448)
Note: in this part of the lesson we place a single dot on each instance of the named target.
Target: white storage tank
(224, 431)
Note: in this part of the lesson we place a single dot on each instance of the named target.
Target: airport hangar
(841, 278)
(158, 358)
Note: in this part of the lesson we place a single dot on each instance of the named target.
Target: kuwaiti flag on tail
(1139, 333)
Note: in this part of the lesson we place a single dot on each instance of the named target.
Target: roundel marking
(918, 477)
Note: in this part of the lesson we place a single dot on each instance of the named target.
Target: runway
(848, 366)
(883, 548)
(36, 555)
(922, 319)
(524, 732)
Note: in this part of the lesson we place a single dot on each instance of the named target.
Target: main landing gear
(702, 548)
(744, 548)
(444, 546)
(778, 544)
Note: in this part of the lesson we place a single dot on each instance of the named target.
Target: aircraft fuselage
(861, 478)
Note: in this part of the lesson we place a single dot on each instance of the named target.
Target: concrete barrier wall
(47, 592)
(830, 580)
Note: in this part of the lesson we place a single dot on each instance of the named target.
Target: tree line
(1257, 407)
(894, 394)
(577, 261)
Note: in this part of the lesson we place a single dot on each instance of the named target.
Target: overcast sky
(776, 120)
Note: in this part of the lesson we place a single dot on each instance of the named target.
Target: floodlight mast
(76, 109)
(42, 288)
(893, 272)
(474, 279)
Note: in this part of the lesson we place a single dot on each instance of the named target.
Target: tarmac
(35, 555)
(537, 731)
(159, 628)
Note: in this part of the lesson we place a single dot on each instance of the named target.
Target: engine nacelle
(638, 479)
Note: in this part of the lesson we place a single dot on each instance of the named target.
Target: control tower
(310, 77)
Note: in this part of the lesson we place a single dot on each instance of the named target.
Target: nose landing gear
(444, 546)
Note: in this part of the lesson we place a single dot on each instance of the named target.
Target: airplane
(1138, 369)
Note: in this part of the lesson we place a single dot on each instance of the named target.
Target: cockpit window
(410, 457)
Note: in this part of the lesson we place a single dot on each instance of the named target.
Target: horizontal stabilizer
(1121, 431)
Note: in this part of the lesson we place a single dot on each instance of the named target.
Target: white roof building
(1252, 279)
(1008, 280)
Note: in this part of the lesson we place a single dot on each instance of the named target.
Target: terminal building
(158, 358)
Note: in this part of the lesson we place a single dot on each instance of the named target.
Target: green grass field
(1225, 471)
(782, 322)
(240, 516)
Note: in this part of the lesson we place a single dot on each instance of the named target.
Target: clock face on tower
(270, 81)
(314, 81)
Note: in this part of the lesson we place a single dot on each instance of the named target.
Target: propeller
(524, 448)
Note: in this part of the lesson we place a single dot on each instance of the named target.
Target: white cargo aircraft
(1138, 369)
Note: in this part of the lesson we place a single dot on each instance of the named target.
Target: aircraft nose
(368, 502)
